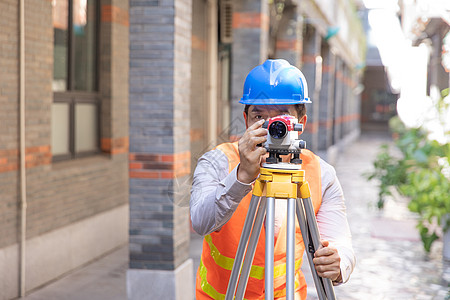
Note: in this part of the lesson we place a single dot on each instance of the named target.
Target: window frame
(73, 97)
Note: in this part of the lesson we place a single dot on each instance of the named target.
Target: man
(222, 188)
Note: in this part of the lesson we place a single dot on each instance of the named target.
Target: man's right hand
(249, 153)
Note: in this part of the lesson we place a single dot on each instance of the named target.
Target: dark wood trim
(97, 46)
(70, 49)
(72, 127)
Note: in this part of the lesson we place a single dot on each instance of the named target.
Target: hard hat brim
(274, 101)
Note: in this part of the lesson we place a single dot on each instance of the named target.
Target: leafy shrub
(422, 174)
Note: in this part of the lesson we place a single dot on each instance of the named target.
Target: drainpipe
(23, 187)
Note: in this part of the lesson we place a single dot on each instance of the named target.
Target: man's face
(258, 112)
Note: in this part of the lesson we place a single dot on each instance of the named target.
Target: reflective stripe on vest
(206, 287)
(211, 291)
(256, 272)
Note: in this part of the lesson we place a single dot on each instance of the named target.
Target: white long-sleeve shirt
(216, 194)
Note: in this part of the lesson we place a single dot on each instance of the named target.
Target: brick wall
(249, 49)
(59, 194)
(38, 76)
(338, 99)
(114, 74)
(326, 98)
(9, 143)
(62, 193)
(311, 50)
(288, 40)
(199, 73)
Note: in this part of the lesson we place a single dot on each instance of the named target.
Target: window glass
(84, 35)
(60, 128)
(61, 40)
(85, 127)
(75, 115)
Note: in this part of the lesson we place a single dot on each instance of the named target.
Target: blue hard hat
(275, 82)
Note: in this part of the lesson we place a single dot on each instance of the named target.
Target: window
(75, 109)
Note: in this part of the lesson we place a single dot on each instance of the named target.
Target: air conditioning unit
(226, 21)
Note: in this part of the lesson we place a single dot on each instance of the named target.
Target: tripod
(282, 181)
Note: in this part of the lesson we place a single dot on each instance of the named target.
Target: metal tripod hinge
(278, 183)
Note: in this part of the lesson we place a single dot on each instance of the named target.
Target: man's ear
(246, 121)
(303, 121)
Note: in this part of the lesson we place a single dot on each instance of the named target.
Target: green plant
(421, 174)
(389, 171)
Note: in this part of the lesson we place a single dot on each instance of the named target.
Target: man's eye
(258, 117)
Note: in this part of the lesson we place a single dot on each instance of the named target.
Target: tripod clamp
(281, 181)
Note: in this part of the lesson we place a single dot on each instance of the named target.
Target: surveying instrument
(282, 181)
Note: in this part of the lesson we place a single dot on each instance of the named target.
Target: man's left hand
(327, 262)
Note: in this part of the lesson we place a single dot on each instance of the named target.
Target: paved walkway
(391, 263)
(104, 279)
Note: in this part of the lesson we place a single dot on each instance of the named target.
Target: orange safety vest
(219, 247)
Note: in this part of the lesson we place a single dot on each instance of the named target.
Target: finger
(333, 268)
(259, 132)
(324, 243)
(326, 260)
(261, 151)
(333, 275)
(328, 271)
(255, 156)
(258, 139)
(327, 251)
(327, 268)
(257, 125)
(251, 152)
(250, 145)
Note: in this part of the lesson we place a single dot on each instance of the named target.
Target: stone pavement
(104, 279)
(391, 262)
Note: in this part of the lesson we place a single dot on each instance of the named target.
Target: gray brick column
(159, 159)
(350, 106)
(326, 101)
(356, 124)
(114, 75)
(351, 110)
(347, 102)
(311, 50)
(288, 40)
(338, 98)
(249, 49)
